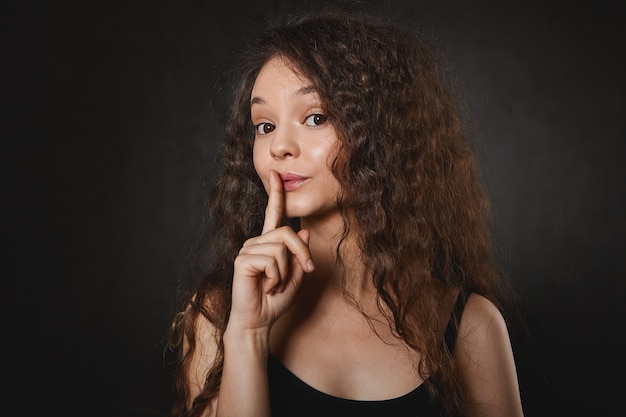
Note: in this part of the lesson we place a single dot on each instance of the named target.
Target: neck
(330, 274)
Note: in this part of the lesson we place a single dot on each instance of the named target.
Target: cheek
(329, 148)
(324, 153)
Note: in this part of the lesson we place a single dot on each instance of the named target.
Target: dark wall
(116, 113)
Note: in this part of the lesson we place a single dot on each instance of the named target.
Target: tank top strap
(455, 318)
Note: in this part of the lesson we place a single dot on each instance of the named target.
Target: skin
(293, 138)
(286, 299)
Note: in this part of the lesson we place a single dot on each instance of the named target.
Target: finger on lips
(274, 209)
(272, 231)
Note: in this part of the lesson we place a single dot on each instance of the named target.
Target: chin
(295, 213)
(296, 210)
(308, 211)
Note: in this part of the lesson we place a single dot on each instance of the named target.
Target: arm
(485, 361)
(267, 274)
(243, 389)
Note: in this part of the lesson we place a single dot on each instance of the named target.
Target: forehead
(277, 75)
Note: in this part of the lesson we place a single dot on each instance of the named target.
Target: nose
(284, 143)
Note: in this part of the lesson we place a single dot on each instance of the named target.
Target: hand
(269, 268)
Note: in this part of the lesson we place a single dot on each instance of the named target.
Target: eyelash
(258, 129)
(317, 119)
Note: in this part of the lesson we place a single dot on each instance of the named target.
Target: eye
(264, 128)
(315, 120)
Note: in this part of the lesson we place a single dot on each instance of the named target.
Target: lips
(292, 181)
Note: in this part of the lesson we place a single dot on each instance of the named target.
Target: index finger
(274, 209)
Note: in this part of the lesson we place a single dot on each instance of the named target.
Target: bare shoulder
(206, 338)
(482, 321)
(485, 360)
(205, 347)
(483, 338)
(203, 355)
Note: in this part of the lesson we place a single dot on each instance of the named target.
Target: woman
(351, 269)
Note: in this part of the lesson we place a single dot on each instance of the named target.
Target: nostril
(283, 145)
(284, 155)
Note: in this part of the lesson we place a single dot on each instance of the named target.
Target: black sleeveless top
(290, 396)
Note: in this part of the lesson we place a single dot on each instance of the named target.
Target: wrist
(246, 340)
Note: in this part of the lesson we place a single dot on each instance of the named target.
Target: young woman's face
(293, 137)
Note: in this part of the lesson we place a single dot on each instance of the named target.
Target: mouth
(292, 181)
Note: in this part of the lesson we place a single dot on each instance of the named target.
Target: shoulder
(202, 354)
(482, 330)
(204, 345)
(485, 360)
(482, 318)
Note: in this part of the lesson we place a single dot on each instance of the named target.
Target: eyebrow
(308, 89)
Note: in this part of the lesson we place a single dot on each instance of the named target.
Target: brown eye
(315, 120)
(264, 128)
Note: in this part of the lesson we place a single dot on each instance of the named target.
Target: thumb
(304, 235)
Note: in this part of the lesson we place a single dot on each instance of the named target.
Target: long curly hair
(411, 192)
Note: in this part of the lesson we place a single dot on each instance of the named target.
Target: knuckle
(284, 231)
(248, 242)
(241, 257)
(238, 260)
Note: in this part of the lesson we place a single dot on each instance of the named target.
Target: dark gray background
(114, 114)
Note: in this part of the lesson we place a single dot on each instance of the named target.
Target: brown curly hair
(410, 188)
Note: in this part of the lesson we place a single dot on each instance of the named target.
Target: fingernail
(310, 265)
